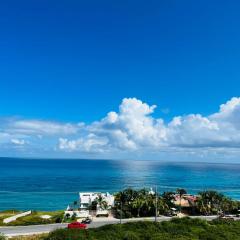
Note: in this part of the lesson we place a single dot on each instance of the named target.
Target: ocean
(51, 184)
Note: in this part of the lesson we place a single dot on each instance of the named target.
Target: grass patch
(33, 219)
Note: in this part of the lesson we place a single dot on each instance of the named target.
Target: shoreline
(51, 185)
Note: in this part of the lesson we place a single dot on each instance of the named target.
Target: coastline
(52, 184)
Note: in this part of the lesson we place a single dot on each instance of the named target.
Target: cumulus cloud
(133, 129)
(221, 129)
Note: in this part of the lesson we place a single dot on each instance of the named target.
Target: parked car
(77, 225)
(87, 220)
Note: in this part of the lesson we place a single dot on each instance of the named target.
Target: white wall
(15, 217)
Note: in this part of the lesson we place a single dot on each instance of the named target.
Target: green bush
(176, 229)
(130, 235)
(68, 234)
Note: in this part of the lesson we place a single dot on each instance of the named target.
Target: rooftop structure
(187, 200)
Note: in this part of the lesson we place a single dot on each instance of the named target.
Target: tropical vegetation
(177, 229)
(212, 202)
(142, 203)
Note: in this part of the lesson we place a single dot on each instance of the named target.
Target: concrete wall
(15, 217)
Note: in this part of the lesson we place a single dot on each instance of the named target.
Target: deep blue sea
(50, 184)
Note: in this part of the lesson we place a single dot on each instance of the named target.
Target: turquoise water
(52, 184)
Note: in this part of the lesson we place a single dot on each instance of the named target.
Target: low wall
(15, 217)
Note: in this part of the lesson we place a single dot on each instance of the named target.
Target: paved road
(30, 230)
(37, 229)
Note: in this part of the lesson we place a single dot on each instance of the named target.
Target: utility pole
(121, 214)
(156, 211)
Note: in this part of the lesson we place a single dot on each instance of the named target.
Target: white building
(81, 208)
(87, 198)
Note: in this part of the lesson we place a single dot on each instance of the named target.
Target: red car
(77, 225)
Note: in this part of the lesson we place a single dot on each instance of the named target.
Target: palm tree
(227, 205)
(142, 200)
(149, 203)
(201, 206)
(162, 205)
(211, 200)
(121, 200)
(130, 194)
(120, 197)
(138, 203)
(168, 198)
(181, 192)
(101, 202)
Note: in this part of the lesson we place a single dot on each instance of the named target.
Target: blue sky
(71, 62)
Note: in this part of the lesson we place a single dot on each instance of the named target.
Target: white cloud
(6, 138)
(42, 127)
(193, 131)
(18, 141)
(229, 114)
(91, 143)
(133, 129)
